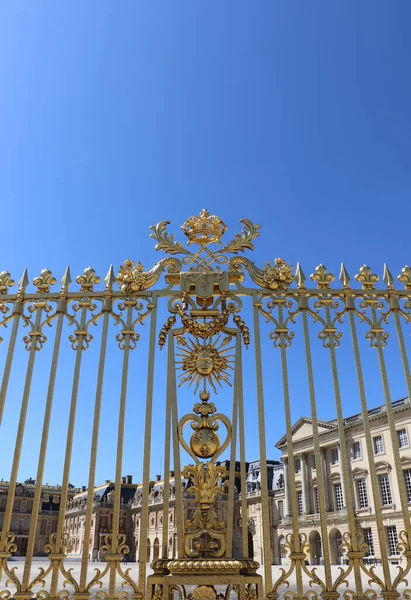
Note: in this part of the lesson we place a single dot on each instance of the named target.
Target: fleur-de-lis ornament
(44, 281)
(322, 277)
(5, 282)
(405, 277)
(367, 278)
(88, 280)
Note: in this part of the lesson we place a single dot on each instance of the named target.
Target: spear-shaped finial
(388, 278)
(299, 276)
(24, 281)
(66, 279)
(344, 276)
(110, 278)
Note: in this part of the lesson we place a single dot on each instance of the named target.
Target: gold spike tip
(299, 277)
(344, 276)
(24, 280)
(388, 278)
(110, 278)
(204, 229)
(66, 279)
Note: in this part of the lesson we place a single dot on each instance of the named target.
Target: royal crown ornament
(204, 229)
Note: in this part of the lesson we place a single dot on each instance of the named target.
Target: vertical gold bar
(243, 475)
(233, 449)
(393, 432)
(317, 453)
(166, 489)
(42, 454)
(344, 458)
(263, 448)
(147, 448)
(172, 390)
(107, 305)
(119, 456)
(9, 360)
(290, 453)
(370, 453)
(58, 549)
(20, 433)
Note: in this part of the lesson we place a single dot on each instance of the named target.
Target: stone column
(344, 483)
(325, 478)
(304, 481)
(287, 511)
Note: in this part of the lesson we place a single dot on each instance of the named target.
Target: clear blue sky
(115, 116)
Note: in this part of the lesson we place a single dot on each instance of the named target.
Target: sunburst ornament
(205, 362)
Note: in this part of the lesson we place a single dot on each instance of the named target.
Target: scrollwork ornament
(276, 277)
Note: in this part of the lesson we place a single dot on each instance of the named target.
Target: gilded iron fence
(206, 295)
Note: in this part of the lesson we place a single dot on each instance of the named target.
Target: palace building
(306, 482)
(23, 509)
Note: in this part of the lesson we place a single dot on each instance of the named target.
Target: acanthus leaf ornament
(133, 278)
(276, 277)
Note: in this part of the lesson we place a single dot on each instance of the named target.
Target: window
(356, 450)
(297, 465)
(386, 497)
(313, 462)
(339, 503)
(362, 493)
(378, 445)
(316, 501)
(334, 456)
(369, 541)
(281, 509)
(23, 505)
(392, 539)
(407, 477)
(402, 438)
(300, 502)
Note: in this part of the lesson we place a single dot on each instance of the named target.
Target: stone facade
(358, 480)
(22, 512)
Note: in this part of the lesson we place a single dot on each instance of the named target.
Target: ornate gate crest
(205, 508)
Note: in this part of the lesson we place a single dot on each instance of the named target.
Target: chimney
(129, 478)
(123, 480)
(83, 488)
(171, 473)
(158, 477)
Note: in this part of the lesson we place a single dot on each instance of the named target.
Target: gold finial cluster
(204, 229)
